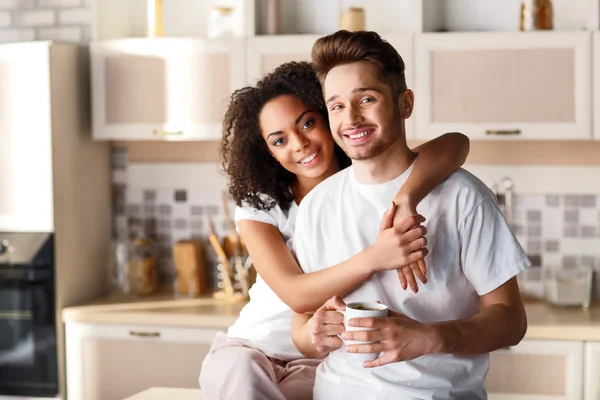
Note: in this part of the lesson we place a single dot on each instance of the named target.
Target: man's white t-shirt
(472, 251)
(266, 321)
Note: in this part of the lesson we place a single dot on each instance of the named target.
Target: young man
(435, 343)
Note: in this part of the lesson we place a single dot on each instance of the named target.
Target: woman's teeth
(309, 158)
(359, 135)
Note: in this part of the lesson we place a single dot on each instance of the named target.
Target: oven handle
(30, 275)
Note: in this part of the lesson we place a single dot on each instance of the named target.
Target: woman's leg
(298, 379)
(233, 370)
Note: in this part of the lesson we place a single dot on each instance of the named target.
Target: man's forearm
(493, 328)
(301, 337)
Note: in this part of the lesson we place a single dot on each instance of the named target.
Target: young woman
(277, 146)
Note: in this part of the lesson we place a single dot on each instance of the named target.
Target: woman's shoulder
(271, 213)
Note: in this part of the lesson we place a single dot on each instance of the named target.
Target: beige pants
(234, 370)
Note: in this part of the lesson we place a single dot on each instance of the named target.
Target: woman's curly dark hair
(251, 169)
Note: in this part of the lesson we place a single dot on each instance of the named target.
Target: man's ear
(407, 103)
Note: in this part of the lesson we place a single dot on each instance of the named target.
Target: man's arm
(501, 322)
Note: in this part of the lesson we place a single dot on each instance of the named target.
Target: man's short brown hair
(344, 47)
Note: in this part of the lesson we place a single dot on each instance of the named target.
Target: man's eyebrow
(357, 90)
(366, 89)
(302, 114)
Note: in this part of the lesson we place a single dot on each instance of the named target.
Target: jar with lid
(536, 15)
(221, 22)
(142, 266)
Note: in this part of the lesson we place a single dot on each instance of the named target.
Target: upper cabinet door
(265, 53)
(163, 89)
(513, 85)
(25, 138)
(596, 79)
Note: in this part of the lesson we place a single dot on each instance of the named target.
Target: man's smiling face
(363, 115)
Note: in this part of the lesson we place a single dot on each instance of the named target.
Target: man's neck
(387, 166)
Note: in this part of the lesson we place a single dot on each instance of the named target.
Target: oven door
(28, 357)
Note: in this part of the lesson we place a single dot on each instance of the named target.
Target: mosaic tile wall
(556, 231)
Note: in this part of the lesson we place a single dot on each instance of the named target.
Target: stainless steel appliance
(28, 356)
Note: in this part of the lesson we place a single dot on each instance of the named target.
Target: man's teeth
(359, 135)
(310, 158)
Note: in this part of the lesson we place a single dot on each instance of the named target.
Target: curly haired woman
(277, 146)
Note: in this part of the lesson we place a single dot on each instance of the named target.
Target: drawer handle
(160, 132)
(505, 132)
(144, 334)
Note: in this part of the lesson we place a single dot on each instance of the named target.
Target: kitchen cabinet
(25, 138)
(504, 85)
(537, 370)
(265, 53)
(592, 371)
(163, 89)
(53, 177)
(111, 362)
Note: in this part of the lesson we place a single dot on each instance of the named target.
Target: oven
(28, 354)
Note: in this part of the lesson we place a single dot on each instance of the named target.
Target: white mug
(362, 310)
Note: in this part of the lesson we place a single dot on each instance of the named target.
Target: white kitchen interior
(110, 128)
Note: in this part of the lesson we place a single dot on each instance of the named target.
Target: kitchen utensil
(227, 273)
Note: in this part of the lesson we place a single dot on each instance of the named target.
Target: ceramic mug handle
(344, 314)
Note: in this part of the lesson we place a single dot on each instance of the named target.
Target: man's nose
(353, 115)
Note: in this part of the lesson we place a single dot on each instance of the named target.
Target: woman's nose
(301, 141)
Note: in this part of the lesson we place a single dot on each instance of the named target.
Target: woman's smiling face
(298, 137)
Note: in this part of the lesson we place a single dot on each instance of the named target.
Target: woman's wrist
(405, 201)
(369, 261)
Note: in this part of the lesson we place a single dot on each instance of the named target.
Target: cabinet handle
(505, 132)
(144, 334)
(160, 132)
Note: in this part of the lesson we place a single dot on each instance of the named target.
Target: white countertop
(545, 322)
(161, 393)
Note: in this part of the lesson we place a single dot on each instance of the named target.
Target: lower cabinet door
(537, 370)
(592, 371)
(107, 362)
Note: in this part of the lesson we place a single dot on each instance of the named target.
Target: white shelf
(116, 19)
(503, 15)
(189, 18)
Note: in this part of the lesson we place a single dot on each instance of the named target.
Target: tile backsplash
(175, 201)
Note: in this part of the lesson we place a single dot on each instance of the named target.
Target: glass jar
(221, 22)
(142, 266)
(536, 15)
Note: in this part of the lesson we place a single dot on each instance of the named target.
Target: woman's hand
(418, 268)
(401, 247)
